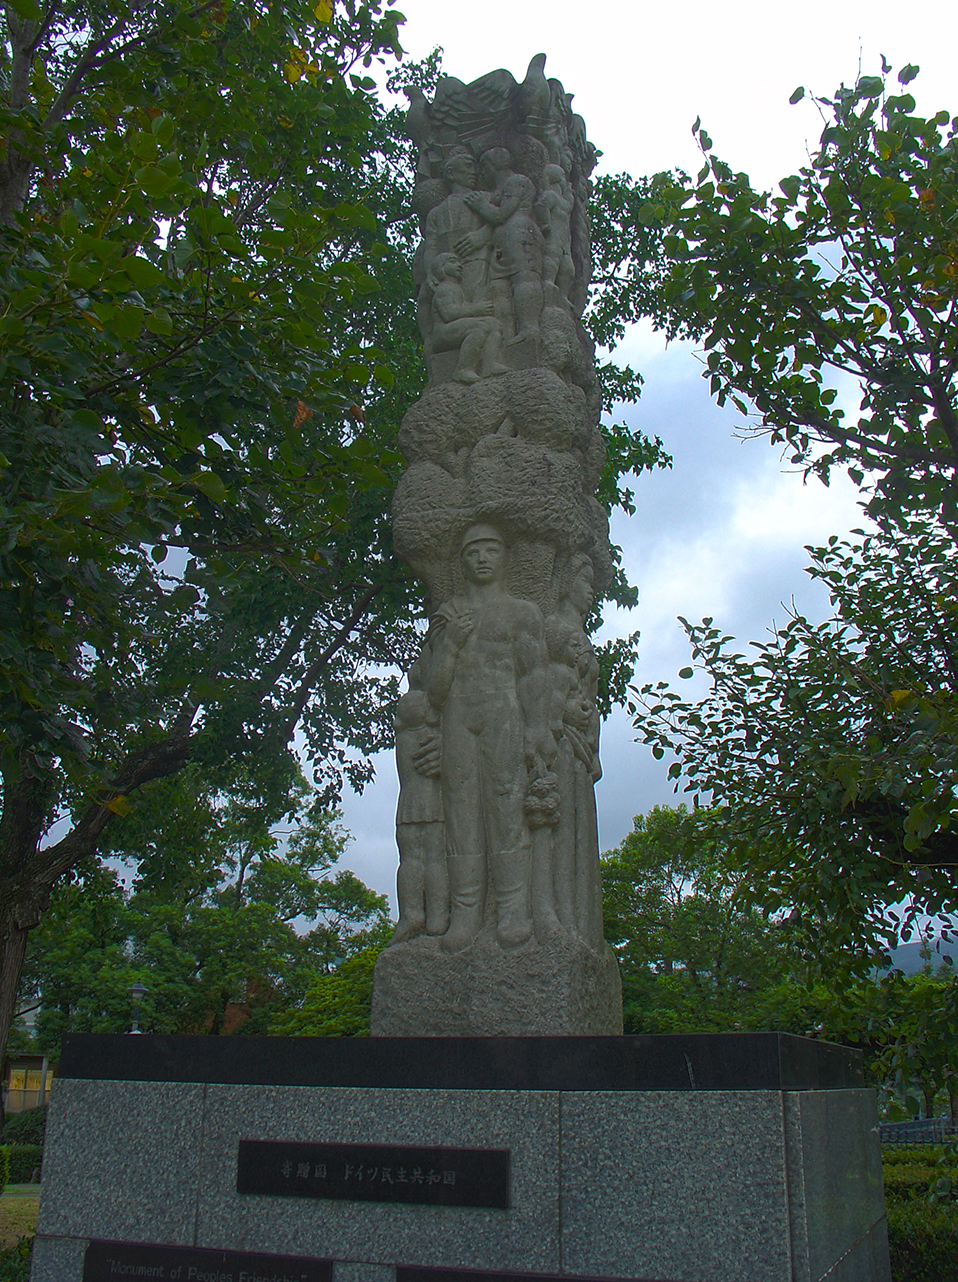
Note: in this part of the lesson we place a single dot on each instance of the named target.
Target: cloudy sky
(723, 532)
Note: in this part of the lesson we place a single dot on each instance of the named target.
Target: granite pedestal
(720, 1158)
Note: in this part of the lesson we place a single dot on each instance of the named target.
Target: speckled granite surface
(525, 1237)
(681, 1186)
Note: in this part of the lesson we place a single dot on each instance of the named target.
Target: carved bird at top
(418, 125)
(534, 94)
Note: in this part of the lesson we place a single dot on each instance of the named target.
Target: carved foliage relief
(498, 736)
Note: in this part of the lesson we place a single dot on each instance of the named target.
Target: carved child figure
(421, 882)
(555, 206)
(456, 323)
(574, 673)
(453, 225)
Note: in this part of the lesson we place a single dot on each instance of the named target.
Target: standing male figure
(454, 227)
(515, 268)
(490, 676)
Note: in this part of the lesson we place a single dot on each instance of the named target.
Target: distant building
(26, 1082)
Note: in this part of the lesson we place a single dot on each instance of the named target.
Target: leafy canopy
(227, 917)
(694, 954)
(849, 270)
(180, 256)
(834, 745)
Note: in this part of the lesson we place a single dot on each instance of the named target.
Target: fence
(924, 1130)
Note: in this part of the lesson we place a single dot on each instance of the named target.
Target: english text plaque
(111, 1261)
(417, 1273)
(375, 1173)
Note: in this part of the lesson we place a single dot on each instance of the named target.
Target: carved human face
(494, 163)
(580, 595)
(484, 559)
(554, 176)
(461, 172)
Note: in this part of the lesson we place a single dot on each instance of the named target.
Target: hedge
(23, 1160)
(922, 1234)
(25, 1128)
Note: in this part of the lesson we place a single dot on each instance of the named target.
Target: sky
(723, 532)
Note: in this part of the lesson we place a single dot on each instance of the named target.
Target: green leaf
(27, 9)
(163, 129)
(908, 74)
(870, 87)
(211, 485)
(686, 673)
(126, 321)
(141, 271)
(159, 321)
(797, 95)
(153, 180)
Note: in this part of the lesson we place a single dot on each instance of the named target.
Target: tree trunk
(929, 1091)
(12, 949)
(29, 873)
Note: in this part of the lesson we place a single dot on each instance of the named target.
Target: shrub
(922, 1238)
(909, 1154)
(4, 1169)
(15, 1261)
(24, 1162)
(922, 1231)
(25, 1128)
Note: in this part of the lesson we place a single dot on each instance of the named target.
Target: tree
(226, 920)
(698, 955)
(835, 746)
(190, 504)
(694, 955)
(336, 1005)
(839, 737)
(851, 271)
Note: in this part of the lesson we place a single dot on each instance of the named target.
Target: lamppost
(137, 991)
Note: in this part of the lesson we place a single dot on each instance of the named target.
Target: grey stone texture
(690, 1186)
(357, 1272)
(835, 1178)
(497, 738)
(524, 1237)
(560, 987)
(866, 1261)
(125, 1162)
(780, 1186)
(57, 1259)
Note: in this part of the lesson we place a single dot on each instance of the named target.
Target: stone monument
(500, 927)
(480, 1139)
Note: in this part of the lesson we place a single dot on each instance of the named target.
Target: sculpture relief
(497, 738)
(456, 325)
(556, 204)
(515, 265)
(490, 680)
(575, 674)
(422, 880)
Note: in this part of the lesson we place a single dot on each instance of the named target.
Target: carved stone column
(500, 929)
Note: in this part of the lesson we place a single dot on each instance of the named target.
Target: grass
(18, 1217)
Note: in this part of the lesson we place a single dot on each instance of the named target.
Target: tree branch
(315, 668)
